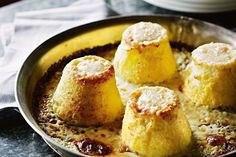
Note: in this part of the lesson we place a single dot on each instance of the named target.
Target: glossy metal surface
(181, 29)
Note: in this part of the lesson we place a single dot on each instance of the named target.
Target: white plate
(190, 7)
(182, 4)
(209, 1)
(205, 3)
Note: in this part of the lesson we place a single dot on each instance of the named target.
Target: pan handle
(12, 105)
(7, 83)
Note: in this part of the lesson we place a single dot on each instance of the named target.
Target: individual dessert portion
(210, 78)
(87, 92)
(154, 125)
(144, 54)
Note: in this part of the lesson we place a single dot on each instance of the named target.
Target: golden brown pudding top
(153, 100)
(144, 33)
(214, 54)
(91, 69)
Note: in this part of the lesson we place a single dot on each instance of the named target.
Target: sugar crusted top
(92, 65)
(144, 33)
(90, 69)
(154, 100)
(214, 54)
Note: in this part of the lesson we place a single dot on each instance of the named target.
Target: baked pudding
(154, 125)
(211, 76)
(213, 130)
(87, 92)
(144, 54)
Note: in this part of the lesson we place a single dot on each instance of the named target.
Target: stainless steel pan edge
(27, 68)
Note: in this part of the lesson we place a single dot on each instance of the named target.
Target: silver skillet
(181, 29)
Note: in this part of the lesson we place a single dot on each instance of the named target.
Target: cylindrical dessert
(87, 92)
(154, 125)
(210, 79)
(145, 55)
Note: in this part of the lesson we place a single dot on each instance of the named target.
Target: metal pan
(181, 29)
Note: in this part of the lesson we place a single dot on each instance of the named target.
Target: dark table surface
(16, 137)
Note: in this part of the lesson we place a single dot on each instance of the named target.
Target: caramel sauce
(92, 147)
(215, 140)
